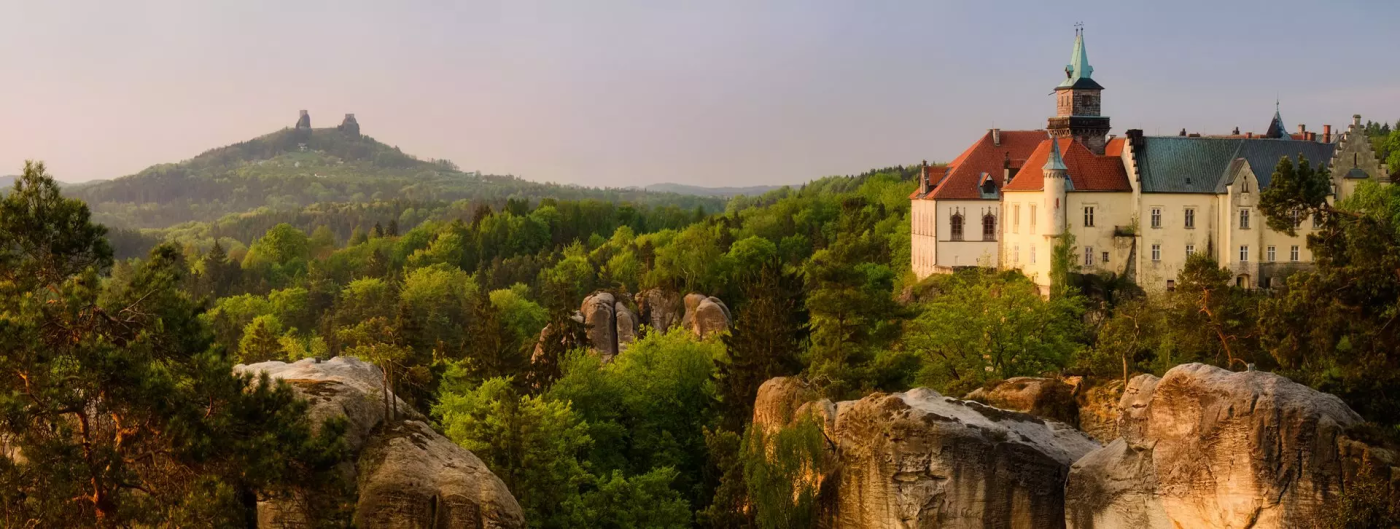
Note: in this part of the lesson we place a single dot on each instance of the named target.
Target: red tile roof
(965, 171)
(934, 173)
(1115, 147)
(1087, 172)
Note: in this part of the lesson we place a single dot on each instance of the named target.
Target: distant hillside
(293, 168)
(721, 192)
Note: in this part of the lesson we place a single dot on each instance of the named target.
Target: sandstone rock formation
(922, 460)
(1048, 398)
(304, 120)
(626, 324)
(660, 309)
(778, 401)
(407, 475)
(711, 318)
(1206, 447)
(611, 326)
(1098, 409)
(602, 329)
(692, 302)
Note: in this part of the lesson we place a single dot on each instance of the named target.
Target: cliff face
(1199, 447)
(919, 459)
(1206, 447)
(406, 474)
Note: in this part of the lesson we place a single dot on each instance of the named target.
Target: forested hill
(293, 168)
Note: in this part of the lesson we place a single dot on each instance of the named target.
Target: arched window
(955, 226)
(989, 227)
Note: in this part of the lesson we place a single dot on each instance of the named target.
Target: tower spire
(1078, 67)
(1055, 162)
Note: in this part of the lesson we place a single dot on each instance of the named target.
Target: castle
(1136, 205)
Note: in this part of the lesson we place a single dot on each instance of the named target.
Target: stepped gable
(1087, 171)
(987, 156)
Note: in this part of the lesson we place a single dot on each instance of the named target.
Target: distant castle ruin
(348, 126)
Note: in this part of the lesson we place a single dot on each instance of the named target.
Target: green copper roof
(1078, 67)
(1055, 162)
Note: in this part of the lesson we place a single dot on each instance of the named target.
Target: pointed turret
(1056, 184)
(1055, 162)
(1276, 127)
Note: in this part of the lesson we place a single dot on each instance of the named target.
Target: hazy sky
(632, 93)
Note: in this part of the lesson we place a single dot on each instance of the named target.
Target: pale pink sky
(631, 93)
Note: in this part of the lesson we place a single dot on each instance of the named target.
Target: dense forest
(124, 410)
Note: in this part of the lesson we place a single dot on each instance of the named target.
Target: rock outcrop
(1048, 398)
(611, 326)
(660, 309)
(625, 324)
(919, 459)
(711, 318)
(406, 474)
(1206, 447)
(304, 120)
(602, 328)
(1098, 409)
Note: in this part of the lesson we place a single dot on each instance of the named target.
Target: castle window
(1032, 221)
(1016, 255)
(1088, 216)
(1244, 253)
(1015, 218)
(1293, 253)
(955, 227)
(1317, 220)
(1088, 256)
(1156, 217)
(1270, 253)
(1032, 254)
(1171, 285)
(1190, 217)
(1105, 257)
(1244, 219)
(989, 227)
(1156, 252)
(1190, 249)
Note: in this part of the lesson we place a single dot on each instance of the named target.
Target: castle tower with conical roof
(1077, 102)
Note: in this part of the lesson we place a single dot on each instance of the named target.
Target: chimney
(923, 179)
(1236, 132)
(1006, 169)
(1311, 136)
(1326, 134)
(996, 137)
(1303, 130)
(1182, 133)
(1249, 135)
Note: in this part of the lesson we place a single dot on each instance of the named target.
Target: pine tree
(125, 411)
(493, 349)
(261, 341)
(377, 231)
(393, 230)
(768, 334)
